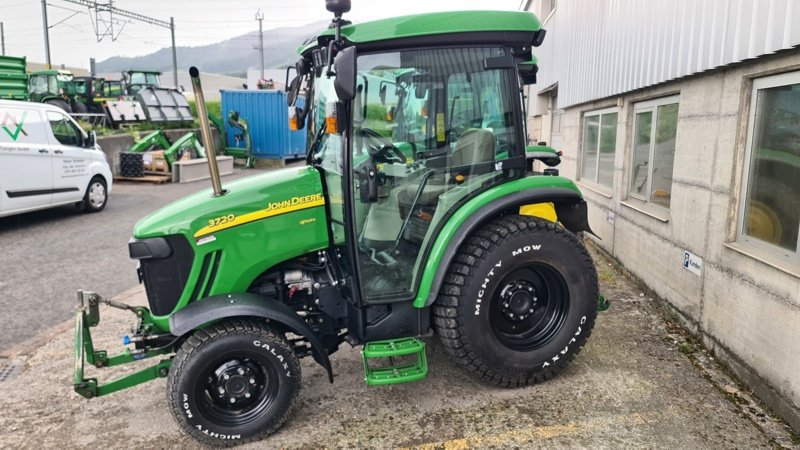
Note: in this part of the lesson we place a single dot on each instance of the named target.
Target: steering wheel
(380, 148)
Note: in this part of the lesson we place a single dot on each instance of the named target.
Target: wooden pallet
(149, 178)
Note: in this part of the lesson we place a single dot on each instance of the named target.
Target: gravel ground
(630, 387)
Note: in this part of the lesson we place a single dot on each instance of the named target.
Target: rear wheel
(80, 108)
(96, 196)
(60, 104)
(519, 301)
(234, 382)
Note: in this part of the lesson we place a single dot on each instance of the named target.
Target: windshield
(145, 78)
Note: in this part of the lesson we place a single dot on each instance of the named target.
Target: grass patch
(686, 347)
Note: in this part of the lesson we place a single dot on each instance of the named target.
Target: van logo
(18, 125)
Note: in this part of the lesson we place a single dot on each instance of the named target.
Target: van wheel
(60, 104)
(96, 196)
(518, 302)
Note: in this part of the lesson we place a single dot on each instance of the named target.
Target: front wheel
(519, 301)
(96, 196)
(234, 382)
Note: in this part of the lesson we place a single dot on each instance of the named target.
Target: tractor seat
(475, 146)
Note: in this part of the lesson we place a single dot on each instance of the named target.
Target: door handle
(58, 152)
(41, 150)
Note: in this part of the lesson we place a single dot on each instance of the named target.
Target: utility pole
(260, 19)
(2, 39)
(46, 34)
(174, 53)
(111, 9)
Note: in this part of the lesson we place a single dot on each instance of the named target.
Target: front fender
(226, 306)
(569, 205)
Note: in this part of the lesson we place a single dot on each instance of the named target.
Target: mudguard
(225, 306)
(569, 205)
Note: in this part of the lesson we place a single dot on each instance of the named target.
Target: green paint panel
(464, 213)
(434, 24)
(247, 250)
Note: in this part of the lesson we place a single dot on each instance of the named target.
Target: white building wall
(746, 303)
(596, 49)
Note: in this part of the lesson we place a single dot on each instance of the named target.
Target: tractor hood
(247, 200)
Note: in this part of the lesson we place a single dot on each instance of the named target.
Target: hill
(233, 56)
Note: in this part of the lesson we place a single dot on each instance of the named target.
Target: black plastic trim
(31, 193)
(219, 307)
(489, 211)
(151, 248)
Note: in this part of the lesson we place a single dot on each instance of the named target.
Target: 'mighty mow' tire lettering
(233, 382)
(518, 302)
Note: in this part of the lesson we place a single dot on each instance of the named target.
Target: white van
(47, 160)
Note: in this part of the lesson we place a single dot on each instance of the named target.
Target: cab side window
(64, 130)
(38, 85)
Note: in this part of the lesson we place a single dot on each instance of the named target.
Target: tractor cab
(52, 86)
(137, 79)
(421, 130)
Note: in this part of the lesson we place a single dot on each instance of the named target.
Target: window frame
(762, 83)
(599, 113)
(651, 106)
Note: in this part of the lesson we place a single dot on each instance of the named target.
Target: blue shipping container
(267, 116)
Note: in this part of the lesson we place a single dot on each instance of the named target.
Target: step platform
(412, 367)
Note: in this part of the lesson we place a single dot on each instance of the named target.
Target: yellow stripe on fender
(544, 210)
(258, 215)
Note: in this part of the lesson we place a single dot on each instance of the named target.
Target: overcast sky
(198, 22)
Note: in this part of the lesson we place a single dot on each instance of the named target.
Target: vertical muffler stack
(205, 132)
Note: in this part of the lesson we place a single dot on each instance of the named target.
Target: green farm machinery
(434, 225)
(241, 138)
(173, 151)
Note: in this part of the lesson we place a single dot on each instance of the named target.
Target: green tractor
(55, 87)
(436, 225)
(89, 92)
(138, 79)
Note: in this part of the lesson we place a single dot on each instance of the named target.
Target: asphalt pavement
(46, 256)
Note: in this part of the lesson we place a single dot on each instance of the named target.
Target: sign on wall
(692, 263)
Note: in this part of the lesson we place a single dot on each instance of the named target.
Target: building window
(655, 129)
(599, 143)
(771, 185)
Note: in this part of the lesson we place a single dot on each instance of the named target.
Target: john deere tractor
(428, 220)
(55, 87)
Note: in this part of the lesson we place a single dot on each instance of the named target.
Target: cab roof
(515, 28)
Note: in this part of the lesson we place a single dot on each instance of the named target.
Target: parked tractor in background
(160, 104)
(57, 88)
(89, 91)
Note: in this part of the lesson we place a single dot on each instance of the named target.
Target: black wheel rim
(235, 390)
(529, 307)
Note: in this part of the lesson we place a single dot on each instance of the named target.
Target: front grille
(165, 278)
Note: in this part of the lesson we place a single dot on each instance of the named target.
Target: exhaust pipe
(205, 132)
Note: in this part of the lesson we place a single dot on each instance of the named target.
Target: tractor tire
(234, 382)
(96, 196)
(518, 302)
(60, 104)
(80, 108)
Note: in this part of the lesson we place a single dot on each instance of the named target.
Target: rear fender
(218, 307)
(569, 206)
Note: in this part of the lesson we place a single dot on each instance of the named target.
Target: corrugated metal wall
(600, 48)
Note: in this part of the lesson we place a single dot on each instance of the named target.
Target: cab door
(70, 166)
(26, 176)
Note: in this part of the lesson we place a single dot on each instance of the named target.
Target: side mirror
(345, 68)
(292, 90)
(91, 139)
